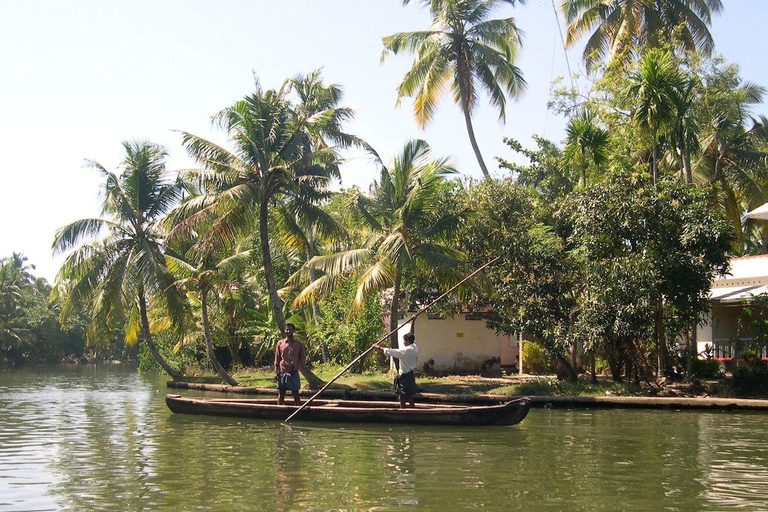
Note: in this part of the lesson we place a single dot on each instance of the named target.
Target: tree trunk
(654, 167)
(464, 92)
(209, 343)
(313, 381)
(592, 367)
(315, 307)
(394, 313)
(175, 374)
(269, 271)
(661, 342)
(570, 374)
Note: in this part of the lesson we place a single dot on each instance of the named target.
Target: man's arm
(302, 356)
(278, 357)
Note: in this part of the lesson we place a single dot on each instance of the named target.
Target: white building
(461, 343)
(748, 277)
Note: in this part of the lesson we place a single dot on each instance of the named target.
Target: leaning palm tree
(207, 273)
(407, 233)
(116, 270)
(620, 27)
(465, 49)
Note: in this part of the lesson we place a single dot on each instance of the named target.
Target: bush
(750, 381)
(535, 359)
(705, 368)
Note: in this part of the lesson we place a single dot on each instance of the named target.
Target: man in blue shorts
(289, 355)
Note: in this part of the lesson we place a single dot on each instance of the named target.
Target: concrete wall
(458, 344)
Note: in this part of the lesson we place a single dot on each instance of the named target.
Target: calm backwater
(101, 438)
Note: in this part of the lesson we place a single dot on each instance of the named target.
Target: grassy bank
(451, 384)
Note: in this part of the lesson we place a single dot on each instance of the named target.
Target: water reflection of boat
(355, 411)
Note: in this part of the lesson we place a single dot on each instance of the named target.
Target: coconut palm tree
(655, 90)
(463, 49)
(116, 269)
(407, 232)
(276, 157)
(208, 273)
(734, 162)
(620, 27)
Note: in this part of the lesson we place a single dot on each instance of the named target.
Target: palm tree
(586, 143)
(686, 130)
(466, 49)
(655, 90)
(117, 269)
(733, 161)
(620, 27)
(407, 230)
(208, 273)
(276, 156)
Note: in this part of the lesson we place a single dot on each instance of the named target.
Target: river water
(101, 438)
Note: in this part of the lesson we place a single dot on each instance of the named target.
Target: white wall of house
(460, 344)
(748, 276)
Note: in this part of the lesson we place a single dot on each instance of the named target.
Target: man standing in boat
(405, 381)
(289, 355)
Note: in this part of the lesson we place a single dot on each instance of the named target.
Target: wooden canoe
(355, 411)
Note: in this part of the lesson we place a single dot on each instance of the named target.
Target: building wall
(458, 344)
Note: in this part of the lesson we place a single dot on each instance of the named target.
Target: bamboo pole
(410, 320)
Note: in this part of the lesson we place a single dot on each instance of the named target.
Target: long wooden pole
(358, 358)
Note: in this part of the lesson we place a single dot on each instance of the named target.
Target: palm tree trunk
(269, 271)
(209, 344)
(394, 312)
(315, 307)
(654, 166)
(175, 374)
(661, 342)
(313, 381)
(468, 121)
(473, 141)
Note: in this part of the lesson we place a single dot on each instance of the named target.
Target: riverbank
(479, 390)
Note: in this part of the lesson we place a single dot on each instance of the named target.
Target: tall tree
(408, 231)
(117, 268)
(620, 27)
(275, 157)
(207, 273)
(586, 143)
(655, 88)
(465, 49)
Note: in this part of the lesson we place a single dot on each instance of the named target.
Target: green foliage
(753, 325)
(530, 288)
(751, 381)
(642, 246)
(29, 329)
(183, 356)
(345, 330)
(551, 387)
(536, 361)
(705, 368)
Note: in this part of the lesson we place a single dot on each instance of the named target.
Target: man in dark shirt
(289, 355)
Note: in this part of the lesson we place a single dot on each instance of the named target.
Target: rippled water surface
(101, 438)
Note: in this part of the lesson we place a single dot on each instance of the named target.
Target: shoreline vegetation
(544, 390)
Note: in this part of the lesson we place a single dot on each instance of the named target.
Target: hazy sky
(81, 76)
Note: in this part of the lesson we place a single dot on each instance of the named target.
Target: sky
(79, 77)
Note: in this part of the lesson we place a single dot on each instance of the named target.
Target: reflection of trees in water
(288, 467)
(735, 459)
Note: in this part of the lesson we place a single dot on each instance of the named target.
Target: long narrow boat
(355, 411)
